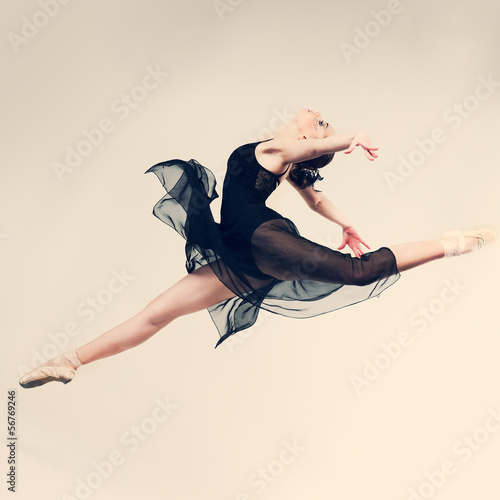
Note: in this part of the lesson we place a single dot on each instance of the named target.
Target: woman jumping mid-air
(255, 258)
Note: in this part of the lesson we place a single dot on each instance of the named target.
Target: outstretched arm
(294, 150)
(320, 204)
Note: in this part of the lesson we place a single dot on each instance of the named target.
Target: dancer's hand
(353, 240)
(362, 139)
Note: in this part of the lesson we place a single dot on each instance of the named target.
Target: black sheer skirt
(278, 270)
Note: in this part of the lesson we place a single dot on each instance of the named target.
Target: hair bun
(304, 176)
(305, 173)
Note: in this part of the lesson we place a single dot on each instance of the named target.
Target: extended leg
(416, 253)
(452, 243)
(281, 253)
(197, 291)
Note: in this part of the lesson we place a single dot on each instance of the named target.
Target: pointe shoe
(59, 369)
(454, 241)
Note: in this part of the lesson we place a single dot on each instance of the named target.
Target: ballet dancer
(255, 258)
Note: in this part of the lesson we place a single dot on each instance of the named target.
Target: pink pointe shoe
(457, 242)
(62, 368)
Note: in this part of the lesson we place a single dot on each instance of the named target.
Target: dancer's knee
(364, 270)
(158, 314)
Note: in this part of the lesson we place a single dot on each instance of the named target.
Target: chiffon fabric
(256, 252)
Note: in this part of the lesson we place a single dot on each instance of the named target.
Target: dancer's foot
(62, 368)
(457, 242)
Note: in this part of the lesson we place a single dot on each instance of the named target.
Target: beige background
(231, 75)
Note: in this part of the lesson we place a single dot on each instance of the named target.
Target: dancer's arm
(295, 150)
(320, 204)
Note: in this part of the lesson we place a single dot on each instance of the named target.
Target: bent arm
(328, 210)
(320, 204)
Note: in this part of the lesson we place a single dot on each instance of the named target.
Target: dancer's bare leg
(454, 242)
(196, 291)
(416, 253)
(202, 289)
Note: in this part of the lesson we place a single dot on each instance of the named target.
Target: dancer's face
(311, 124)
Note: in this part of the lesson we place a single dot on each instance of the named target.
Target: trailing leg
(199, 290)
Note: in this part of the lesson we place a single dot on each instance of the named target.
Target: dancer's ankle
(457, 242)
(72, 358)
(449, 248)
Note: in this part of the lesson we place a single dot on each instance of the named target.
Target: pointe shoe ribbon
(454, 240)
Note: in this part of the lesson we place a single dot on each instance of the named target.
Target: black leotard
(256, 252)
(247, 186)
